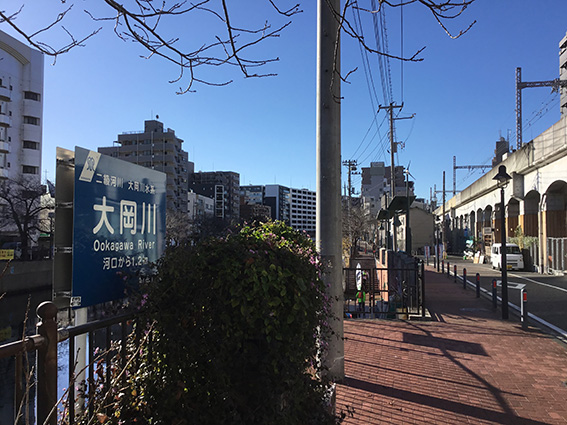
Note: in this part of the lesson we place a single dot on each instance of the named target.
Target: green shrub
(238, 324)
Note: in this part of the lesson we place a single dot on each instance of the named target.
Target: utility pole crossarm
(463, 167)
(471, 167)
(555, 84)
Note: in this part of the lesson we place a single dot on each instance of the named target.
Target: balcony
(5, 93)
(4, 147)
(31, 157)
(32, 108)
(32, 132)
(5, 120)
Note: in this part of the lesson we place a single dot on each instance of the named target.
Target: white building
(21, 109)
(303, 210)
(199, 206)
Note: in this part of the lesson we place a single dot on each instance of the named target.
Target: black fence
(100, 334)
(390, 293)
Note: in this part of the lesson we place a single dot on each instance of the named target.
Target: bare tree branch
(146, 23)
(43, 47)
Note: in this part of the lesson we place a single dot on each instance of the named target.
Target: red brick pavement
(469, 366)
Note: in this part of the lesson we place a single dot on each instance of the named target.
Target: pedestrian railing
(557, 255)
(44, 344)
(389, 292)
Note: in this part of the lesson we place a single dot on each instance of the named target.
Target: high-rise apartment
(295, 207)
(303, 208)
(21, 110)
(159, 150)
(223, 187)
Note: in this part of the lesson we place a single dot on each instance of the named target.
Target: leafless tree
(20, 208)
(357, 223)
(147, 22)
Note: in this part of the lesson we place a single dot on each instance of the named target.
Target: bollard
(442, 266)
(524, 311)
(494, 296)
(478, 285)
(455, 272)
(464, 278)
(448, 269)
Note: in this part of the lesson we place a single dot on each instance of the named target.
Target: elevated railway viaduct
(535, 202)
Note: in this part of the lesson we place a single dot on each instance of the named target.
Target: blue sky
(462, 93)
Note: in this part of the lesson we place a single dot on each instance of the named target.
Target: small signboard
(358, 277)
(118, 225)
(6, 254)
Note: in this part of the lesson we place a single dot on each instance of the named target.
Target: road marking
(539, 283)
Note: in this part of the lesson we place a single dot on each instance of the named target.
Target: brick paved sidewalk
(467, 367)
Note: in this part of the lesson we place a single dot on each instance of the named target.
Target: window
(31, 95)
(28, 169)
(31, 145)
(31, 120)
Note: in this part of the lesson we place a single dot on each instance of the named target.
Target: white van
(514, 257)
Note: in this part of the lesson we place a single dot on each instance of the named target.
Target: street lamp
(502, 179)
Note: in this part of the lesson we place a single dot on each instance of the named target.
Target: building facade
(373, 186)
(277, 197)
(223, 187)
(295, 207)
(303, 206)
(199, 207)
(160, 150)
(21, 110)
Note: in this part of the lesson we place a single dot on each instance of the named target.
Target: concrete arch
(497, 226)
(554, 213)
(529, 220)
(512, 217)
(479, 222)
(472, 224)
(487, 216)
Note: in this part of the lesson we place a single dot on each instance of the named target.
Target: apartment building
(21, 110)
(159, 149)
(295, 207)
(223, 187)
(303, 208)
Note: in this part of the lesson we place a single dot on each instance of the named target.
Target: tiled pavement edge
(467, 367)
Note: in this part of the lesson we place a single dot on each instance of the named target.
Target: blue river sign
(118, 225)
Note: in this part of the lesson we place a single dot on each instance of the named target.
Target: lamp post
(502, 179)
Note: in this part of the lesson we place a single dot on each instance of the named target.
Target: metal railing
(557, 253)
(390, 292)
(45, 343)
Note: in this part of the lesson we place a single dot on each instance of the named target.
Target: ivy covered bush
(236, 325)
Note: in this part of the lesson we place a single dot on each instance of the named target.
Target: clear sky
(462, 93)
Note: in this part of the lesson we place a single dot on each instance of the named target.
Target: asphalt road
(546, 294)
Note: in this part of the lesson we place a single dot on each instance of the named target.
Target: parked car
(514, 257)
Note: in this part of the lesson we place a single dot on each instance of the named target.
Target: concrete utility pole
(329, 218)
(351, 165)
(443, 221)
(393, 150)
